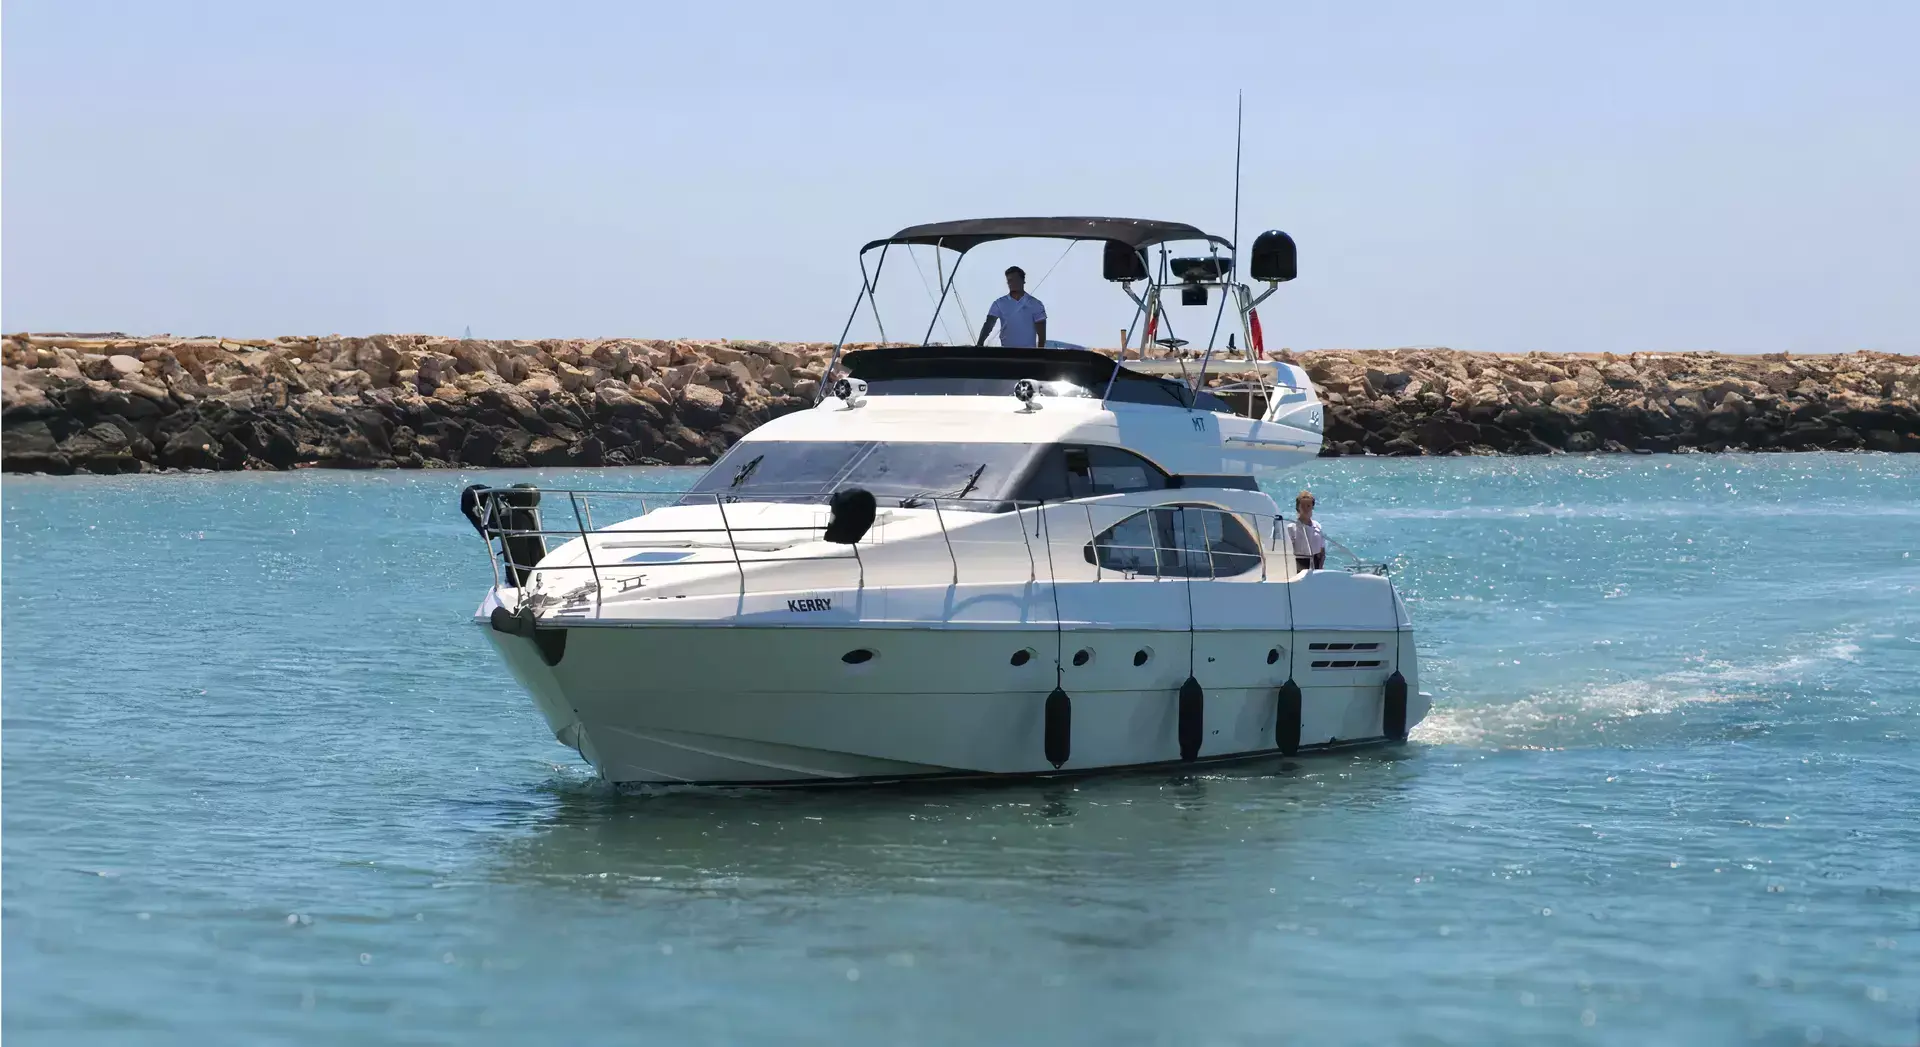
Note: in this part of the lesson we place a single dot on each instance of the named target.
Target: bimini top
(966, 235)
(987, 370)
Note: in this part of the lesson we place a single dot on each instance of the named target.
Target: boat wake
(1652, 710)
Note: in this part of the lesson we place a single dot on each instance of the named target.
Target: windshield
(906, 474)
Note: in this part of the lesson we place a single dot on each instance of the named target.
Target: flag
(1253, 333)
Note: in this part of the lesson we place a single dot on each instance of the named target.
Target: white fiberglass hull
(665, 704)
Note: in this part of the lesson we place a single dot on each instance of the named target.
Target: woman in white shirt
(1309, 545)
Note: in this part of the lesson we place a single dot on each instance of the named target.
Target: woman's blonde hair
(1304, 496)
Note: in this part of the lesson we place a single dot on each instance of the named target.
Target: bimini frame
(1132, 234)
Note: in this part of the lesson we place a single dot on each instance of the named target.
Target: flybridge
(940, 370)
(1145, 280)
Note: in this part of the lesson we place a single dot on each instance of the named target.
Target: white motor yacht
(966, 561)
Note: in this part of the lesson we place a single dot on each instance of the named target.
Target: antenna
(1239, 107)
(1226, 290)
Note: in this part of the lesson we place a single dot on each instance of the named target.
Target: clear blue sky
(1738, 176)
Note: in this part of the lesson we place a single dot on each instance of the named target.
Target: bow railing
(982, 539)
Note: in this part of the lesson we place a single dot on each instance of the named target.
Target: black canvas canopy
(966, 235)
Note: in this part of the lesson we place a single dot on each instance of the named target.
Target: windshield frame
(904, 473)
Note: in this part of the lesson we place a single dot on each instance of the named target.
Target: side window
(1211, 543)
(1046, 477)
(1132, 546)
(1177, 542)
(1109, 470)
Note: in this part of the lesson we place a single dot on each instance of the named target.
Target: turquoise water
(263, 783)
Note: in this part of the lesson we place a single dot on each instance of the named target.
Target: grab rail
(503, 521)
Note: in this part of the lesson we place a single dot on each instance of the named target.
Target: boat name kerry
(817, 603)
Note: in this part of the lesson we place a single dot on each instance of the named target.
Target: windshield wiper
(745, 471)
(972, 481)
(918, 498)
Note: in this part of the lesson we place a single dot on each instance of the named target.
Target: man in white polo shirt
(1304, 535)
(1023, 320)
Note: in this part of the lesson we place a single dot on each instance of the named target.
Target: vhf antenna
(1239, 107)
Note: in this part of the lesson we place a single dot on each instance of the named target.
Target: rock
(547, 450)
(100, 448)
(143, 388)
(194, 448)
(1381, 383)
(588, 451)
(276, 446)
(701, 406)
(1885, 440)
(412, 400)
(481, 447)
(1441, 435)
(30, 447)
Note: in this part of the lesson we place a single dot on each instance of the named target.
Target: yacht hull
(780, 705)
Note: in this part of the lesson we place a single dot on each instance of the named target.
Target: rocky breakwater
(1439, 401)
(113, 404)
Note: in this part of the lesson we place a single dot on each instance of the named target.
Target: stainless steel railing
(509, 530)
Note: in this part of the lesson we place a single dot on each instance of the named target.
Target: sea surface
(264, 783)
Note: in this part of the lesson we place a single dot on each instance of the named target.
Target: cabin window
(908, 474)
(1094, 471)
(1062, 472)
(1216, 545)
(1176, 542)
(1130, 546)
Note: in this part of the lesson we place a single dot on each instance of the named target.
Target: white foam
(1559, 717)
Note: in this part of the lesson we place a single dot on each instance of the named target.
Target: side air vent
(1347, 665)
(1343, 647)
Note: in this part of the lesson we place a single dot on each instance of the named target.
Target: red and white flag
(1253, 331)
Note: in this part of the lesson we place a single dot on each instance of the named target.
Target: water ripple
(264, 783)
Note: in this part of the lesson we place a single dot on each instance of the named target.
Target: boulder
(30, 447)
(194, 448)
(481, 446)
(100, 448)
(546, 450)
(1382, 383)
(702, 407)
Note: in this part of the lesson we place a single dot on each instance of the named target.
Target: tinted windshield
(901, 473)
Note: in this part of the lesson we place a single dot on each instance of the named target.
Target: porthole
(1082, 656)
(1273, 655)
(857, 657)
(1022, 656)
(1143, 656)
